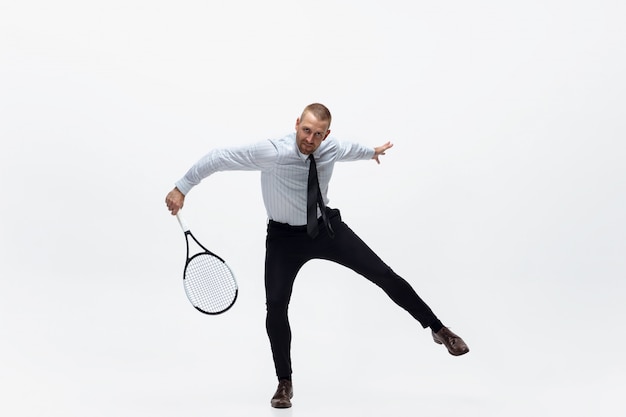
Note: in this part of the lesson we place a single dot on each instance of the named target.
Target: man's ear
(297, 123)
(327, 133)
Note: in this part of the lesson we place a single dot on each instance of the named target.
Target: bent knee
(276, 305)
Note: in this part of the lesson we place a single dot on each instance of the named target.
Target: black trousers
(288, 248)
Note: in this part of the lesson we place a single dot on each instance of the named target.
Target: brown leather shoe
(455, 345)
(284, 394)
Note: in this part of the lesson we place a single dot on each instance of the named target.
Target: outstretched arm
(380, 150)
(174, 200)
(255, 157)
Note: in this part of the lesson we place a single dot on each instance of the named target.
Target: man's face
(310, 133)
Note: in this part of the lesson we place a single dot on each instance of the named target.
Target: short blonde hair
(320, 112)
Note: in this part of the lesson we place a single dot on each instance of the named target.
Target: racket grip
(181, 221)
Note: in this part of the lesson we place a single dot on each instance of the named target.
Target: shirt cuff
(183, 186)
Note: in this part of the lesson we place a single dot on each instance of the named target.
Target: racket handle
(182, 222)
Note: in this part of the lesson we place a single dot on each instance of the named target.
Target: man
(295, 173)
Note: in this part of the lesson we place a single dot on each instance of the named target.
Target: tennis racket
(209, 283)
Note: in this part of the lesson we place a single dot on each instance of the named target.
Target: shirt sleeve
(352, 151)
(257, 157)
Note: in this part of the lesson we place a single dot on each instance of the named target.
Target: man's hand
(380, 150)
(174, 200)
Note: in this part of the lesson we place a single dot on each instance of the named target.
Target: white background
(502, 203)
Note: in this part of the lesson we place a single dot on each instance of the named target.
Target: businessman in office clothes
(295, 173)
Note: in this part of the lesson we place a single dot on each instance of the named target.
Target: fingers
(380, 150)
(172, 207)
(174, 201)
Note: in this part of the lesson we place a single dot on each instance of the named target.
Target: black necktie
(314, 198)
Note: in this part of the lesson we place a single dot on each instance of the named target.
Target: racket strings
(210, 284)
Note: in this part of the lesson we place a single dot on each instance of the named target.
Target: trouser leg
(349, 250)
(281, 268)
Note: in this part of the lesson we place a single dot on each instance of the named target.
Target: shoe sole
(281, 405)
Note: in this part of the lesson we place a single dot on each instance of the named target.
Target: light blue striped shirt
(284, 171)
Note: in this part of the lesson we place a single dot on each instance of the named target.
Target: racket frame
(204, 251)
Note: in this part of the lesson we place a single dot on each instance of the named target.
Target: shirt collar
(302, 156)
